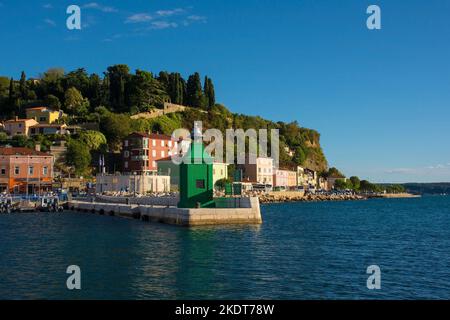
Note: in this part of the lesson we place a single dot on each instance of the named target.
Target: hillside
(113, 100)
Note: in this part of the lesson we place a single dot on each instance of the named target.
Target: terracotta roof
(18, 120)
(43, 125)
(13, 151)
(40, 108)
(164, 159)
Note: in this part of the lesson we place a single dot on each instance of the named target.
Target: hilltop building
(18, 126)
(48, 129)
(44, 115)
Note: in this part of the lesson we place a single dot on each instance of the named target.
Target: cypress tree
(209, 92)
(194, 91)
(23, 86)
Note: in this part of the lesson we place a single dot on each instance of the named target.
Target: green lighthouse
(196, 177)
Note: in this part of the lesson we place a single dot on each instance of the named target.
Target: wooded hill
(110, 99)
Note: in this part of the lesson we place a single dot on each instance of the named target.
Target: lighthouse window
(200, 184)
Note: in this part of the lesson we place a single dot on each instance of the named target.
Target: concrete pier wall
(250, 214)
(155, 201)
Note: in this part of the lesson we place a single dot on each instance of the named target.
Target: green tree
(335, 173)
(78, 157)
(118, 77)
(23, 90)
(94, 140)
(356, 183)
(342, 184)
(75, 103)
(115, 127)
(176, 88)
(220, 184)
(209, 93)
(52, 102)
(194, 92)
(299, 156)
(145, 91)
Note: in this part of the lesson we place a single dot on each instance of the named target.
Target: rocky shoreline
(277, 197)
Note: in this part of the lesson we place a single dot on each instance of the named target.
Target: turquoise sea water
(302, 251)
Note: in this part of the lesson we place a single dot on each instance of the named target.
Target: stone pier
(227, 211)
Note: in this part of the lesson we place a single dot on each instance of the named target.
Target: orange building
(18, 126)
(24, 170)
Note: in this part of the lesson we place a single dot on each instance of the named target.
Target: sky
(379, 98)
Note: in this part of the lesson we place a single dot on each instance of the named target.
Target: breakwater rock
(298, 197)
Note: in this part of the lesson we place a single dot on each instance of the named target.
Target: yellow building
(220, 171)
(44, 115)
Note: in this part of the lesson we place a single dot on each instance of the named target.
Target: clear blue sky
(380, 99)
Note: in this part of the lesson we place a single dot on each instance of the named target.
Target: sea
(314, 250)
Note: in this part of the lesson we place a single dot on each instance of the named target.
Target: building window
(16, 170)
(125, 164)
(200, 184)
(145, 143)
(45, 171)
(126, 154)
(153, 153)
(170, 143)
(163, 154)
(153, 164)
(154, 142)
(3, 171)
(162, 143)
(259, 170)
(30, 170)
(125, 143)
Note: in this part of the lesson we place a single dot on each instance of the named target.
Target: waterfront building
(292, 179)
(24, 170)
(167, 167)
(259, 172)
(139, 183)
(284, 178)
(220, 171)
(44, 115)
(306, 178)
(280, 178)
(140, 151)
(48, 129)
(18, 126)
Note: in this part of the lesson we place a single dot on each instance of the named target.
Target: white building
(141, 184)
